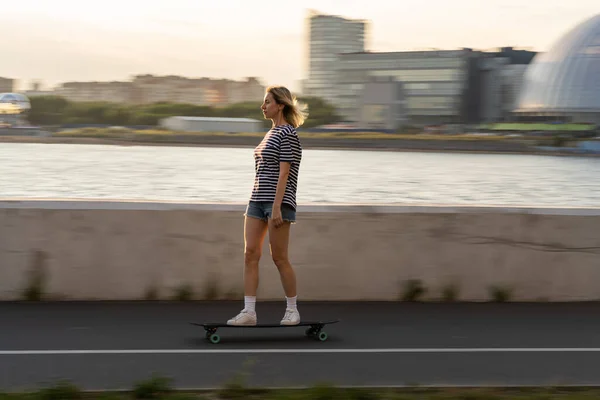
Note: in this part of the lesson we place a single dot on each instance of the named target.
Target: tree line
(55, 110)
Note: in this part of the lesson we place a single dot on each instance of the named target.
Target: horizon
(117, 40)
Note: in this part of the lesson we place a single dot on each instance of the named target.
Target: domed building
(564, 83)
(14, 103)
(14, 109)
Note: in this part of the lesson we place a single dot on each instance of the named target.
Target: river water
(210, 174)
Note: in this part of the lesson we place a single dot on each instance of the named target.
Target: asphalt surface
(114, 345)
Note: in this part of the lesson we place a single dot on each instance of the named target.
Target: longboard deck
(315, 330)
(273, 325)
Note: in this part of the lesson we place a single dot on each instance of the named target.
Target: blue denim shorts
(264, 209)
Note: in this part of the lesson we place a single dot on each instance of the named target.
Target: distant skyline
(65, 40)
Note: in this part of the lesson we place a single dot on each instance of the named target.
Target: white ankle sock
(250, 303)
(291, 302)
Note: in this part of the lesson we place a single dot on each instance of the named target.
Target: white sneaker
(244, 318)
(291, 317)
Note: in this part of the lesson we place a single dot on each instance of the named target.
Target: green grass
(130, 134)
(538, 127)
(108, 133)
(160, 389)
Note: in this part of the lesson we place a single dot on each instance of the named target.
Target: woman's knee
(280, 260)
(252, 255)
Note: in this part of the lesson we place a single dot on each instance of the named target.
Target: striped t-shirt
(280, 144)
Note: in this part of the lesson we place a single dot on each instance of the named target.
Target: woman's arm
(284, 172)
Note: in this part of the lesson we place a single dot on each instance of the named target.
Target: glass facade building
(434, 82)
(439, 87)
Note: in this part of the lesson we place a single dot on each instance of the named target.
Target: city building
(117, 92)
(434, 82)
(498, 78)
(250, 90)
(383, 104)
(148, 89)
(513, 76)
(35, 90)
(6, 85)
(211, 124)
(438, 86)
(564, 83)
(507, 74)
(328, 37)
(489, 83)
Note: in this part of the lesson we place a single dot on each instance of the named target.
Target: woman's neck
(280, 120)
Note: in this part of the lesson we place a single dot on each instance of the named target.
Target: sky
(56, 41)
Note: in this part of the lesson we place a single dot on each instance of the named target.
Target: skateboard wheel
(214, 338)
(322, 336)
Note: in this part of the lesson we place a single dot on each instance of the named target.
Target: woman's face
(269, 107)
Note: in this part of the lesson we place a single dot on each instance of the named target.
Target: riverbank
(337, 141)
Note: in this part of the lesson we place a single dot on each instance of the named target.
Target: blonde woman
(272, 205)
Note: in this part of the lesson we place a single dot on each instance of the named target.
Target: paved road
(113, 345)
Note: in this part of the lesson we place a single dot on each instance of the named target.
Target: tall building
(328, 37)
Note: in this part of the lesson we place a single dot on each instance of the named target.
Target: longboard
(315, 331)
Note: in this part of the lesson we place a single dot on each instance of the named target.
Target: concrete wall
(122, 250)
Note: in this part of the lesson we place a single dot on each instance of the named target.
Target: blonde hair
(294, 112)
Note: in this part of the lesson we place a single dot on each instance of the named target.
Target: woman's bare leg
(255, 231)
(279, 240)
(254, 234)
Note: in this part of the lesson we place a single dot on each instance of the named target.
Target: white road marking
(301, 351)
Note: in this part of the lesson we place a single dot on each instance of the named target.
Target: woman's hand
(276, 216)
